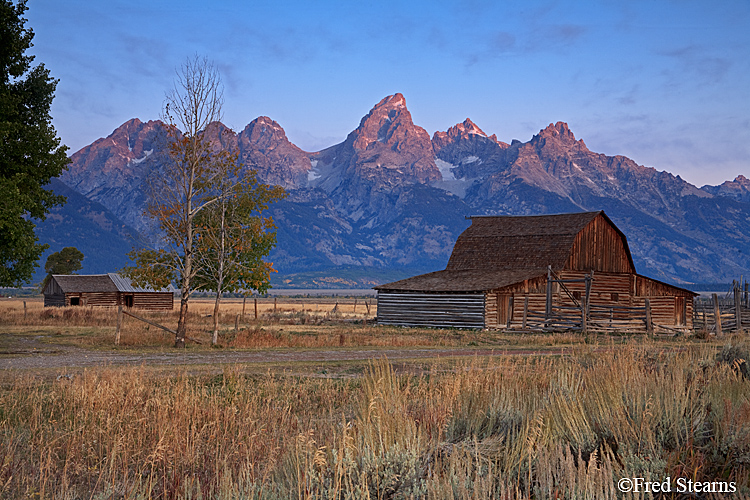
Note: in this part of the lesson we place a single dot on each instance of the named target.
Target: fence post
(274, 304)
(585, 305)
(548, 305)
(237, 323)
(244, 298)
(367, 305)
(525, 311)
(24, 310)
(649, 323)
(256, 307)
(119, 324)
(717, 315)
(738, 308)
(355, 306)
(509, 315)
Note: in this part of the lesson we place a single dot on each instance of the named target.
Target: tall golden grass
(511, 428)
(293, 324)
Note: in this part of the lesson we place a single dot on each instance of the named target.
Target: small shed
(103, 290)
(526, 272)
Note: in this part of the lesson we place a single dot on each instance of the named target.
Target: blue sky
(666, 83)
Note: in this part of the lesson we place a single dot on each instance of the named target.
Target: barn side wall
(614, 294)
(441, 310)
(153, 300)
(600, 247)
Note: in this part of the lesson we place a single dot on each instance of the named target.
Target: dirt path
(28, 354)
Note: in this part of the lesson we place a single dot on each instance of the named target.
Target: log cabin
(565, 271)
(103, 290)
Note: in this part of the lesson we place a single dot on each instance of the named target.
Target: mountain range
(390, 201)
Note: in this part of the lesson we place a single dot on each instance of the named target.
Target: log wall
(431, 309)
(93, 298)
(154, 300)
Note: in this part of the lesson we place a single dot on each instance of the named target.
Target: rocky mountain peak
(471, 127)
(264, 133)
(396, 100)
(467, 130)
(221, 136)
(388, 122)
(264, 147)
(464, 129)
(738, 189)
(559, 132)
(128, 145)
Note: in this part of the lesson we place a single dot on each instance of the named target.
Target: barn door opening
(128, 300)
(504, 310)
(680, 311)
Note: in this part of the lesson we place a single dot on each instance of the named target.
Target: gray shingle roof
(98, 283)
(71, 283)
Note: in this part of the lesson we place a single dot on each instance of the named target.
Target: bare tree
(184, 186)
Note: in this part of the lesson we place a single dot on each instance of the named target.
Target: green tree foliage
(66, 261)
(234, 236)
(30, 151)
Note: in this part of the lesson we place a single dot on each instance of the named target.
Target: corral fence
(724, 313)
(579, 314)
(598, 318)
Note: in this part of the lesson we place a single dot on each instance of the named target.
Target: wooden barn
(567, 271)
(103, 290)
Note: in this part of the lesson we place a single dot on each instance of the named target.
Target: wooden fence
(599, 319)
(578, 314)
(723, 314)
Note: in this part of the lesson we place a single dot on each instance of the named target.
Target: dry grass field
(532, 426)
(314, 322)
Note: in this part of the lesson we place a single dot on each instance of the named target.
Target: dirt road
(29, 354)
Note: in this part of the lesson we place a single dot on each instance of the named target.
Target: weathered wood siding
(93, 298)
(154, 300)
(611, 297)
(600, 247)
(513, 318)
(648, 287)
(56, 300)
(431, 309)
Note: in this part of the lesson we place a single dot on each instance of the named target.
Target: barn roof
(463, 281)
(521, 242)
(98, 283)
(497, 251)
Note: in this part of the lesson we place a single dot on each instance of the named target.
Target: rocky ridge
(389, 196)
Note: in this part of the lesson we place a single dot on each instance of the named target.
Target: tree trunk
(179, 339)
(215, 338)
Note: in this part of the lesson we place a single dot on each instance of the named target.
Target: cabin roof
(124, 284)
(99, 283)
(71, 283)
(498, 251)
